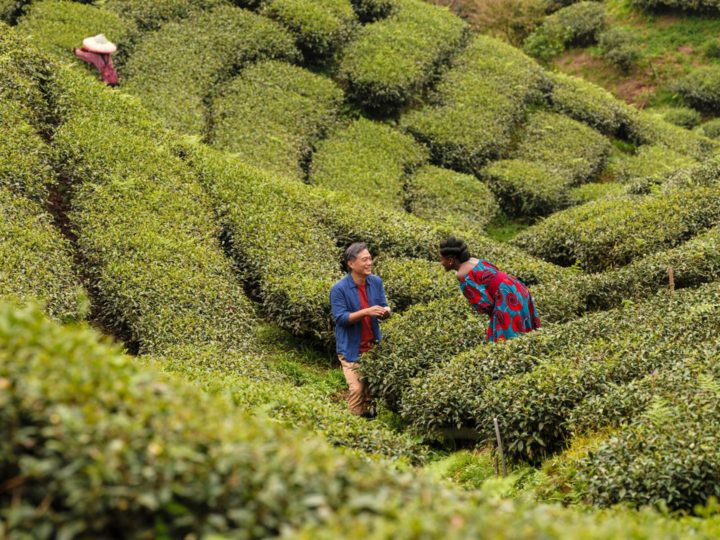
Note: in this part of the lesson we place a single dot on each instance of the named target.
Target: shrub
(272, 115)
(11, 9)
(586, 102)
(643, 128)
(653, 163)
(288, 259)
(414, 281)
(57, 26)
(682, 116)
(711, 128)
(207, 47)
(449, 393)
(641, 225)
(369, 158)
(533, 408)
(490, 85)
(701, 88)
(667, 455)
(144, 227)
(620, 47)
(510, 20)
(577, 24)
(170, 459)
(553, 154)
(152, 15)
(390, 62)
(688, 5)
(594, 191)
(36, 260)
(372, 10)
(457, 199)
(321, 28)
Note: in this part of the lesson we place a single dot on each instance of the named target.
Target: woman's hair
(351, 253)
(455, 248)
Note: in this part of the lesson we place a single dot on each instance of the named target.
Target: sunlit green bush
(390, 62)
(688, 5)
(145, 228)
(445, 196)
(576, 24)
(620, 47)
(553, 154)
(653, 163)
(208, 47)
(272, 114)
(321, 27)
(489, 85)
(609, 233)
(372, 10)
(57, 26)
(682, 116)
(368, 159)
(152, 15)
(701, 88)
(711, 128)
(586, 102)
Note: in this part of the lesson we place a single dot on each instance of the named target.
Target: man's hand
(377, 311)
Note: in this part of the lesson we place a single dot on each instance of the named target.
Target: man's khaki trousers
(359, 395)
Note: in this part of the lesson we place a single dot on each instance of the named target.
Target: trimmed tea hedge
(681, 116)
(414, 281)
(668, 455)
(152, 15)
(711, 128)
(57, 26)
(320, 27)
(577, 24)
(256, 385)
(586, 102)
(652, 163)
(372, 10)
(687, 5)
(533, 408)
(391, 62)
(368, 159)
(272, 115)
(170, 459)
(640, 225)
(287, 258)
(701, 88)
(554, 153)
(449, 197)
(207, 47)
(144, 226)
(478, 105)
(36, 260)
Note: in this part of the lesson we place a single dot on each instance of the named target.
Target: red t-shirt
(367, 336)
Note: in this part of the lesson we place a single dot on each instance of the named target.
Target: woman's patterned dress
(503, 297)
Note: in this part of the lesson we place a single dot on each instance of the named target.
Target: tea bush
(577, 24)
(57, 26)
(454, 198)
(491, 85)
(321, 27)
(170, 459)
(367, 158)
(641, 225)
(448, 394)
(711, 128)
(652, 163)
(682, 116)
(208, 47)
(390, 62)
(701, 88)
(152, 15)
(144, 226)
(594, 191)
(688, 5)
(286, 257)
(256, 385)
(620, 47)
(372, 10)
(414, 281)
(533, 408)
(667, 455)
(553, 154)
(272, 114)
(586, 102)
(36, 260)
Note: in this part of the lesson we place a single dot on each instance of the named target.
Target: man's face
(362, 264)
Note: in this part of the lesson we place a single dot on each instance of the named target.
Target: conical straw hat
(99, 44)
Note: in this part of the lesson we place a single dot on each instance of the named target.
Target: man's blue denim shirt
(344, 300)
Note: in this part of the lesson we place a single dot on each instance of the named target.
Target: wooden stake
(500, 446)
(671, 279)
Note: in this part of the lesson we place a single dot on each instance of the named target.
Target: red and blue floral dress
(503, 297)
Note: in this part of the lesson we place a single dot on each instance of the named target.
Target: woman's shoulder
(466, 268)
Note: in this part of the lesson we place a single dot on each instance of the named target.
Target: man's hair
(351, 253)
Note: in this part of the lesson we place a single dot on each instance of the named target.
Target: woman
(357, 300)
(503, 297)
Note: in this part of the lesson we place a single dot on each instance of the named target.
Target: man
(357, 301)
